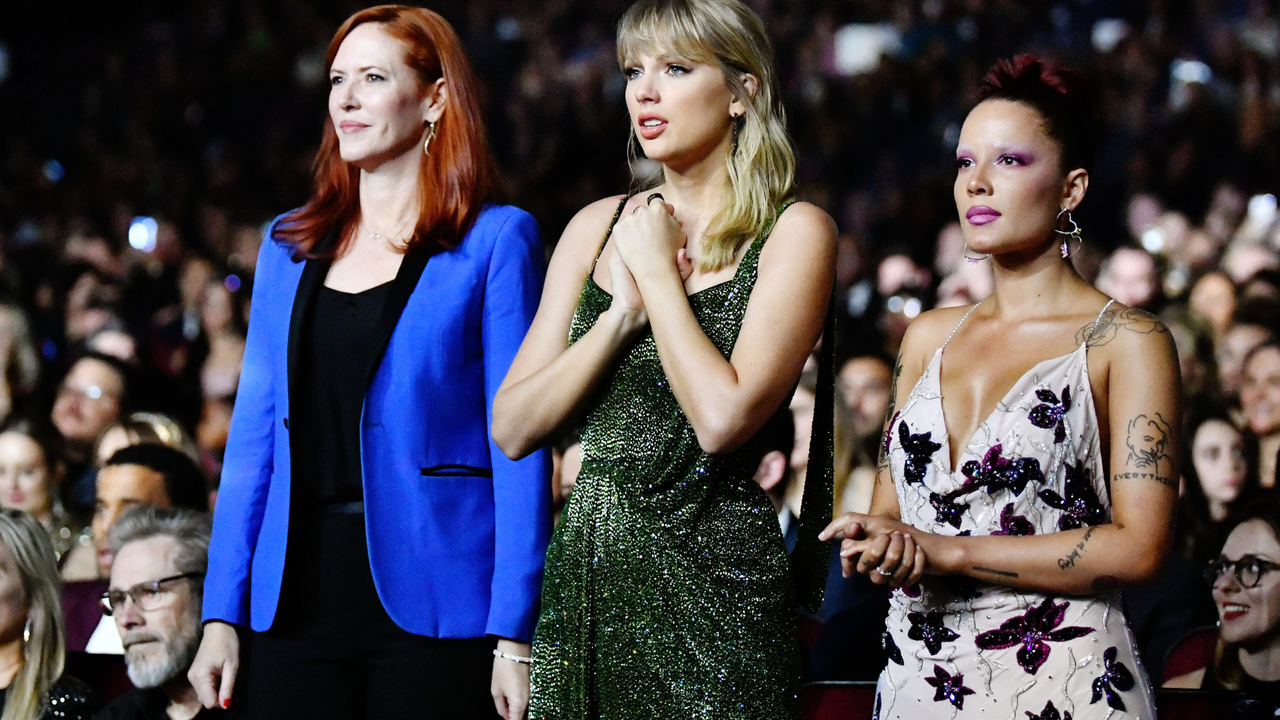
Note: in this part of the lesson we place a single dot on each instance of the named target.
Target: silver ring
(654, 195)
(883, 573)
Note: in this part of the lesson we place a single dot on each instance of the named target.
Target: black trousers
(333, 652)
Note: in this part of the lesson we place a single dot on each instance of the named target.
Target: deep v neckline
(936, 362)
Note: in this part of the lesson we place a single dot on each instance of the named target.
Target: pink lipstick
(981, 215)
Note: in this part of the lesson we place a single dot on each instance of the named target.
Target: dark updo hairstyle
(1061, 96)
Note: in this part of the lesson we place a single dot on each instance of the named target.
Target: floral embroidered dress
(958, 647)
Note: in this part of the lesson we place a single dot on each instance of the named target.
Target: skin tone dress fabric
(668, 591)
(961, 648)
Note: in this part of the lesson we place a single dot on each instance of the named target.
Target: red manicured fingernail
(226, 703)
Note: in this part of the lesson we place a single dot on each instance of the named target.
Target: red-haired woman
(994, 477)
(385, 314)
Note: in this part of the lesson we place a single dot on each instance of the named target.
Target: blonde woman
(31, 633)
(677, 320)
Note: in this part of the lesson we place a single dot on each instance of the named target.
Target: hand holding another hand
(882, 549)
(651, 242)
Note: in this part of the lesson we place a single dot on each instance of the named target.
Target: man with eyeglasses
(157, 579)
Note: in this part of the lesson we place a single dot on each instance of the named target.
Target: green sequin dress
(667, 591)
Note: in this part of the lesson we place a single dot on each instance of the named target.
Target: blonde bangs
(761, 166)
(655, 29)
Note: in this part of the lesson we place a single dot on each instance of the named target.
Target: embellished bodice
(1033, 466)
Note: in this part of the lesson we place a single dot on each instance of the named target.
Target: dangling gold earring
(426, 146)
(26, 632)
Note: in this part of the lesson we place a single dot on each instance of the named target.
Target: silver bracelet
(512, 658)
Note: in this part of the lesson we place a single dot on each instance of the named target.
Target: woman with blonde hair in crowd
(676, 321)
(32, 648)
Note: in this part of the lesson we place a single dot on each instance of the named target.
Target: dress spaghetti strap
(605, 240)
(1094, 328)
(956, 329)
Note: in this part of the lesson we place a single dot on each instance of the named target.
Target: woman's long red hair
(455, 180)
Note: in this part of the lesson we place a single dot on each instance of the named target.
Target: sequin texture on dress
(667, 591)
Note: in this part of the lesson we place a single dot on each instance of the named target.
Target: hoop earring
(26, 632)
(426, 146)
(973, 259)
(1073, 233)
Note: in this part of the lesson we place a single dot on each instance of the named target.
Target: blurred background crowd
(144, 147)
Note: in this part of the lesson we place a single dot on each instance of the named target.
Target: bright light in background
(142, 233)
(53, 171)
(1153, 240)
(858, 47)
(1190, 71)
(912, 308)
(1262, 209)
(232, 283)
(1107, 34)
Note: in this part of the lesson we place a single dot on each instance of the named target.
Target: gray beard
(178, 654)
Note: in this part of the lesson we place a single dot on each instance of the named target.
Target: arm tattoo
(1148, 443)
(993, 571)
(1070, 560)
(1130, 319)
(889, 413)
(1168, 482)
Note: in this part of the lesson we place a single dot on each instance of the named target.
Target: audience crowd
(147, 145)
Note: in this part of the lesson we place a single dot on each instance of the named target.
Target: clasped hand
(647, 242)
(882, 549)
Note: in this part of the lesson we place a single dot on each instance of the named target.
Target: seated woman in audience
(1220, 470)
(144, 427)
(1260, 404)
(30, 473)
(1246, 588)
(32, 651)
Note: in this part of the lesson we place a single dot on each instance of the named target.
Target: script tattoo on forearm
(888, 415)
(993, 571)
(1070, 560)
(1110, 325)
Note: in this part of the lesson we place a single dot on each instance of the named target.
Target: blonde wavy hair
(762, 163)
(44, 654)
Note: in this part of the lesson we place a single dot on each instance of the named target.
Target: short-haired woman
(1032, 468)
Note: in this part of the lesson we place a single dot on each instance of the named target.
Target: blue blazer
(457, 532)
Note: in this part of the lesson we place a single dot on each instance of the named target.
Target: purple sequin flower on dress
(891, 650)
(948, 687)
(928, 627)
(1011, 524)
(1033, 630)
(1081, 505)
(1115, 678)
(1051, 411)
(945, 508)
(995, 473)
(919, 449)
